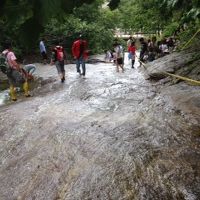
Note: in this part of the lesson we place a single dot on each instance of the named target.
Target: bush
(98, 36)
(186, 35)
(170, 29)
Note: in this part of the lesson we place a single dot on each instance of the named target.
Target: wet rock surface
(109, 136)
(184, 63)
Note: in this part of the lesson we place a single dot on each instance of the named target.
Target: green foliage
(97, 33)
(35, 17)
(170, 29)
(113, 4)
(63, 20)
(32, 16)
(153, 16)
(186, 35)
(139, 16)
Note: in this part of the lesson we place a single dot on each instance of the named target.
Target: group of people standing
(18, 75)
(150, 50)
(153, 49)
(117, 54)
(58, 56)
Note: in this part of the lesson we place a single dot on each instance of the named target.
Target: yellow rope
(193, 82)
(190, 39)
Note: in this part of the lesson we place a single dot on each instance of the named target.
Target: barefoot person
(58, 56)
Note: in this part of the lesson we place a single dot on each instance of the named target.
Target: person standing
(119, 56)
(129, 41)
(43, 51)
(80, 53)
(131, 51)
(144, 49)
(58, 57)
(15, 73)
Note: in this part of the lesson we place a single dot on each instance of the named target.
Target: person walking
(144, 49)
(129, 42)
(43, 51)
(80, 53)
(119, 57)
(58, 58)
(131, 51)
(16, 75)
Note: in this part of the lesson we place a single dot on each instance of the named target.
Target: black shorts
(44, 55)
(15, 77)
(119, 61)
(60, 66)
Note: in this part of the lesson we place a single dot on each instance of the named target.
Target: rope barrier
(193, 82)
(190, 40)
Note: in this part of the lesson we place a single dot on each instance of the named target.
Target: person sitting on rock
(164, 48)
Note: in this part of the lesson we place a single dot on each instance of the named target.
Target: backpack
(59, 53)
(4, 64)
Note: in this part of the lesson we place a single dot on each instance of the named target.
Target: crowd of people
(150, 50)
(153, 49)
(21, 75)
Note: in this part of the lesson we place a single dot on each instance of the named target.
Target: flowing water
(111, 136)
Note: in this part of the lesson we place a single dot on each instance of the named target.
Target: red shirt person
(80, 53)
(131, 55)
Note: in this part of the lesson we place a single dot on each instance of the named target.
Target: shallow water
(109, 136)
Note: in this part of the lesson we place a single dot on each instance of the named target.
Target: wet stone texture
(111, 136)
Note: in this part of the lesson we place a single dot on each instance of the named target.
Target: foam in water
(4, 96)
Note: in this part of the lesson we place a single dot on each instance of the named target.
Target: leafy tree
(98, 32)
(155, 15)
(32, 16)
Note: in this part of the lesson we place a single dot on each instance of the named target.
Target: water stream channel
(111, 136)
